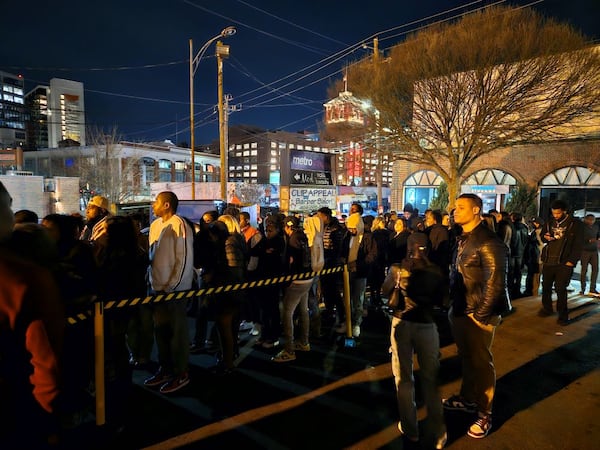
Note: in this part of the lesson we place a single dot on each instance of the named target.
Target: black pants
(559, 276)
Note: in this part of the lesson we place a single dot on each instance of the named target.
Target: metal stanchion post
(99, 362)
(349, 341)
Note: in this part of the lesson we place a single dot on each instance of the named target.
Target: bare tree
(107, 170)
(452, 93)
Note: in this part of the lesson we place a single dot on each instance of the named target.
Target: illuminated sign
(307, 177)
(312, 198)
(317, 162)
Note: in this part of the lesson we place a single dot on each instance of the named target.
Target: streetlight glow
(194, 62)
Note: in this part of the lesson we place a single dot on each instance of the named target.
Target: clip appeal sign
(312, 198)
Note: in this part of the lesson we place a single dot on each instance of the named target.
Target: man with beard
(563, 235)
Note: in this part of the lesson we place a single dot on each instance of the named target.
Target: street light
(194, 61)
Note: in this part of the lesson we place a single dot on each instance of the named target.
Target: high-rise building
(36, 101)
(57, 114)
(254, 154)
(13, 115)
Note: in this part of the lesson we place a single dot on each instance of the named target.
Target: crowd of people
(467, 263)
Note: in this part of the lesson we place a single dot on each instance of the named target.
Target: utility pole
(227, 108)
(222, 52)
(379, 168)
(192, 142)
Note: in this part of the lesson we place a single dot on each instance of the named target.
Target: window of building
(164, 164)
(254, 145)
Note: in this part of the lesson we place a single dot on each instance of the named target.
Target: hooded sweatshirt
(355, 221)
(313, 228)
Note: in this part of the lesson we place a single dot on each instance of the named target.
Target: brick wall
(526, 163)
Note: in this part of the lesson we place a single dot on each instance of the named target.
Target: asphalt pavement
(339, 396)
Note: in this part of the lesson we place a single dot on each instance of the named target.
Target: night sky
(132, 55)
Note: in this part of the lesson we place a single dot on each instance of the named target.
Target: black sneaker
(562, 321)
(457, 403)
(175, 383)
(158, 379)
(543, 312)
(481, 427)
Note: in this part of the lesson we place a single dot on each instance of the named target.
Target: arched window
(491, 176)
(420, 188)
(576, 185)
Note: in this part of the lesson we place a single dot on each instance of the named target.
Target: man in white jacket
(171, 269)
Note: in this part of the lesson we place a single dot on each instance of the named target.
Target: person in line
(122, 267)
(171, 269)
(439, 240)
(478, 297)
(414, 287)
(26, 216)
(360, 252)
(331, 284)
(532, 258)
(228, 305)
(271, 265)
(398, 241)
(589, 253)
(205, 333)
(313, 228)
(96, 213)
(295, 296)
(140, 330)
(563, 235)
(77, 279)
(31, 335)
(518, 243)
(250, 314)
(381, 236)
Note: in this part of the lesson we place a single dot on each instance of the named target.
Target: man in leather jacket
(479, 296)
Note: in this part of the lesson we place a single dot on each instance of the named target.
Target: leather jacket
(478, 278)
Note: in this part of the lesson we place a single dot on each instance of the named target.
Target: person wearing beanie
(96, 213)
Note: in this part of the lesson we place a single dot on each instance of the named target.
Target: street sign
(309, 177)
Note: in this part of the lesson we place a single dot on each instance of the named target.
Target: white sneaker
(356, 331)
(255, 330)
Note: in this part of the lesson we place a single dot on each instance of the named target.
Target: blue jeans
(357, 298)
(295, 296)
(406, 339)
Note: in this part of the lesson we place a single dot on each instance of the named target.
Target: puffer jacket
(478, 278)
(423, 289)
